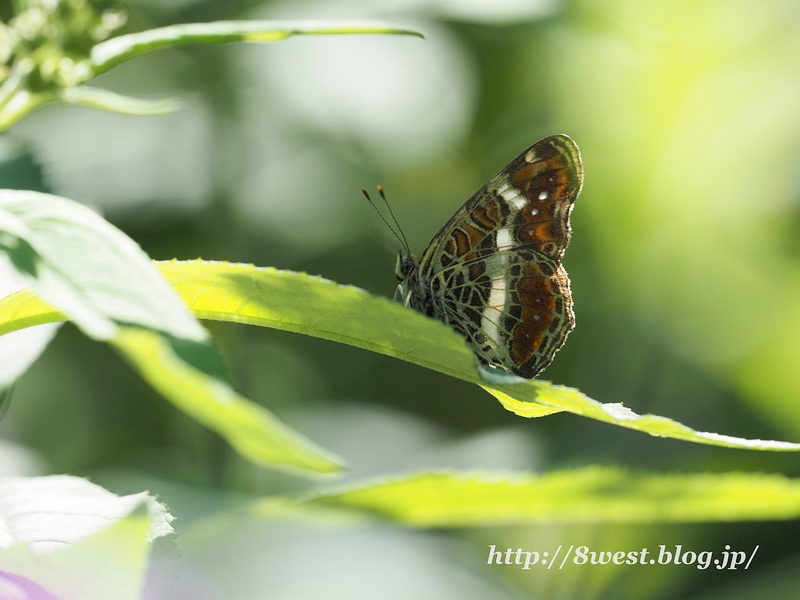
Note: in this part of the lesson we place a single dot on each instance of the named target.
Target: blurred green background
(685, 268)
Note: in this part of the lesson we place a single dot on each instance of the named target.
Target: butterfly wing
(494, 272)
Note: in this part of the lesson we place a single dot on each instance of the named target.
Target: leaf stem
(15, 101)
(105, 100)
(110, 53)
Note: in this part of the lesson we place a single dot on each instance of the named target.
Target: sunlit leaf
(251, 429)
(594, 494)
(315, 306)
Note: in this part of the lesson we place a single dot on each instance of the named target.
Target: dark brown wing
(494, 270)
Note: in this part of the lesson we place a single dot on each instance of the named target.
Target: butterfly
(493, 272)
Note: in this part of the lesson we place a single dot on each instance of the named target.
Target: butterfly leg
(407, 301)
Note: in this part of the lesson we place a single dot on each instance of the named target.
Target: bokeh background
(685, 268)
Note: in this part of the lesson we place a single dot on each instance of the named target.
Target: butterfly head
(406, 266)
(406, 271)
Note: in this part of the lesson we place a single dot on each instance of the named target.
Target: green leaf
(24, 309)
(518, 400)
(110, 53)
(106, 284)
(315, 306)
(321, 308)
(251, 429)
(593, 494)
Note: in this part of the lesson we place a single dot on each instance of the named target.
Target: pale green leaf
(57, 511)
(110, 53)
(88, 268)
(69, 538)
(103, 281)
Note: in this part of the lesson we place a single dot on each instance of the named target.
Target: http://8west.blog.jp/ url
(583, 555)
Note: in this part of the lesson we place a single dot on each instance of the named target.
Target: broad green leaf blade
(318, 307)
(110, 53)
(64, 537)
(594, 494)
(314, 306)
(125, 105)
(251, 429)
(101, 279)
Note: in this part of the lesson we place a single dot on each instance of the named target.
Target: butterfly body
(493, 272)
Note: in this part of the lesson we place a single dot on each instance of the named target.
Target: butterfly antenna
(404, 241)
(380, 214)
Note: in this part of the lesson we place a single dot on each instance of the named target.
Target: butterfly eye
(405, 266)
